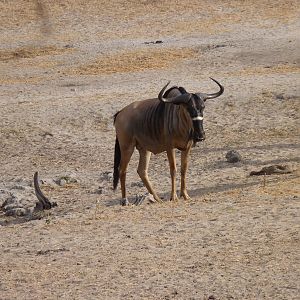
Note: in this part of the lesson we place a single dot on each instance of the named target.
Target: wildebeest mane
(154, 120)
(160, 117)
(160, 114)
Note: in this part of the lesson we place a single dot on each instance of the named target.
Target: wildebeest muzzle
(199, 134)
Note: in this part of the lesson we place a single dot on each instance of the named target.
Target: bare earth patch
(67, 67)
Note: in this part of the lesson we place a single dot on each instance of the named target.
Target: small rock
(11, 206)
(19, 187)
(62, 182)
(101, 190)
(138, 184)
(17, 212)
(279, 96)
(106, 176)
(8, 199)
(154, 42)
(233, 156)
(46, 133)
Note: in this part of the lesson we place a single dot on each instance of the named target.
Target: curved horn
(184, 98)
(214, 95)
(46, 204)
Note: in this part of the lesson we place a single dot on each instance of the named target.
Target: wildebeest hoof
(186, 197)
(124, 202)
(174, 198)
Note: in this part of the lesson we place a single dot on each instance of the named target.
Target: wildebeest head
(194, 104)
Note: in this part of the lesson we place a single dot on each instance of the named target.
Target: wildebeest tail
(117, 160)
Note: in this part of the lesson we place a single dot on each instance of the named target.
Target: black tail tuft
(117, 160)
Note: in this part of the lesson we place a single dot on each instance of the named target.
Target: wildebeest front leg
(172, 163)
(143, 172)
(184, 165)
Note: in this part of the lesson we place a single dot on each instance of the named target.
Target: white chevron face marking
(197, 118)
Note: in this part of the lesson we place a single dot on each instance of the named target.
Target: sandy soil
(66, 68)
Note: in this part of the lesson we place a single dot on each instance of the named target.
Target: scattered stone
(211, 47)
(62, 182)
(6, 197)
(233, 156)
(46, 133)
(220, 46)
(274, 169)
(45, 252)
(137, 184)
(106, 176)
(154, 42)
(101, 190)
(279, 96)
(17, 211)
(19, 187)
(67, 179)
(12, 204)
(69, 46)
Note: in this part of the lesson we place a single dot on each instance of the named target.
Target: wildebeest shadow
(261, 147)
(202, 191)
(249, 162)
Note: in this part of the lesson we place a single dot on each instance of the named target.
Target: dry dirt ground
(67, 66)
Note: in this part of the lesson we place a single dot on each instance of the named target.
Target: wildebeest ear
(183, 98)
(174, 88)
(182, 90)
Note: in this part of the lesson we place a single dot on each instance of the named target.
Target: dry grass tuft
(286, 187)
(134, 61)
(261, 70)
(30, 52)
(20, 80)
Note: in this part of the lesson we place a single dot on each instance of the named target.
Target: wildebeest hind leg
(172, 163)
(143, 172)
(126, 154)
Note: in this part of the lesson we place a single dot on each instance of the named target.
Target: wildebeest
(172, 121)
